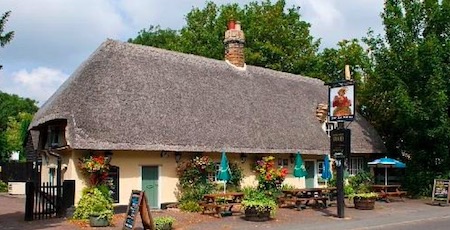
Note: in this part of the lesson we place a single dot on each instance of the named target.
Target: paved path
(12, 213)
(411, 214)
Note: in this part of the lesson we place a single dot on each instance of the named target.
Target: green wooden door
(309, 179)
(150, 184)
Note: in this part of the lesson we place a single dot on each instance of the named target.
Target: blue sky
(53, 37)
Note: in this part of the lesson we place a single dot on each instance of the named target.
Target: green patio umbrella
(224, 173)
(299, 167)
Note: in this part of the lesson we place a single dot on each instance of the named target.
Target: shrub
(93, 201)
(190, 206)
(3, 186)
(162, 221)
(258, 199)
(361, 182)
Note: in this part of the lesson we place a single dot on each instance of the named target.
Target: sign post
(341, 108)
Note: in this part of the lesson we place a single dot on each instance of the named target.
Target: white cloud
(334, 20)
(39, 83)
(61, 34)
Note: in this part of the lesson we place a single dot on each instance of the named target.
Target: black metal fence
(44, 201)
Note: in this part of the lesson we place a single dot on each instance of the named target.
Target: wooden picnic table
(388, 191)
(217, 203)
(300, 198)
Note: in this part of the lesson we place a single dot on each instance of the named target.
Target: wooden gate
(48, 201)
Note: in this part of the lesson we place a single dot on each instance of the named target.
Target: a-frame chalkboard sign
(138, 203)
(440, 194)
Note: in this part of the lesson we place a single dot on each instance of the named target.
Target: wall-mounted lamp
(291, 157)
(164, 153)
(243, 157)
(108, 156)
(177, 157)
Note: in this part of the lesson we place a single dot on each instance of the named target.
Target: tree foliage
(15, 116)
(276, 37)
(407, 96)
(5, 37)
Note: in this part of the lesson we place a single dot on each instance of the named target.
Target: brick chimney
(234, 44)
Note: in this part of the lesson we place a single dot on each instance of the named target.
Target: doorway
(150, 176)
(311, 170)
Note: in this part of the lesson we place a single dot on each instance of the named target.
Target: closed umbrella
(326, 173)
(386, 163)
(299, 167)
(224, 173)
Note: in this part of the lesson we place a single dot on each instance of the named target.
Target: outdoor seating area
(221, 203)
(301, 198)
(388, 192)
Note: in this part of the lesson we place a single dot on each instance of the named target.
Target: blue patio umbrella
(386, 163)
(326, 173)
(224, 173)
(299, 167)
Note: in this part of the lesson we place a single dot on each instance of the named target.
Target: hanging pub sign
(341, 101)
(340, 142)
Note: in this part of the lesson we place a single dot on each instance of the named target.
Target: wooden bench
(216, 209)
(299, 203)
(386, 195)
(218, 204)
(387, 192)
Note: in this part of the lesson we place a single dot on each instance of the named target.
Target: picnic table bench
(387, 192)
(301, 198)
(219, 203)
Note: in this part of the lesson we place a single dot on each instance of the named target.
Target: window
(355, 165)
(283, 163)
(55, 136)
(320, 168)
(213, 176)
(51, 176)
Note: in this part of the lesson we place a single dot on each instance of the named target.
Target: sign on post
(440, 192)
(138, 203)
(341, 101)
(340, 142)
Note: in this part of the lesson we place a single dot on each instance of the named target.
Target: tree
(332, 61)
(407, 96)
(16, 133)
(276, 37)
(13, 117)
(7, 37)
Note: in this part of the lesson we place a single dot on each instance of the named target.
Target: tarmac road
(411, 214)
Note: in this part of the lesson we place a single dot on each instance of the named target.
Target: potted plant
(362, 196)
(164, 222)
(363, 201)
(100, 216)
(258, 206)
(96, 206)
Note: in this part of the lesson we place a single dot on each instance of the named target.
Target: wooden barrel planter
(364, 203)
(251, 214)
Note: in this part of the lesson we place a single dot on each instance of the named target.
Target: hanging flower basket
(95, 168)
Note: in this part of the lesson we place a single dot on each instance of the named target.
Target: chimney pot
(231, 24)
(234, 44)
(237, 26)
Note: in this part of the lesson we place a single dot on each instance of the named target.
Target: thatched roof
(133, 97)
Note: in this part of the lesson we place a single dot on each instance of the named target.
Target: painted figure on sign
(341, 103)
